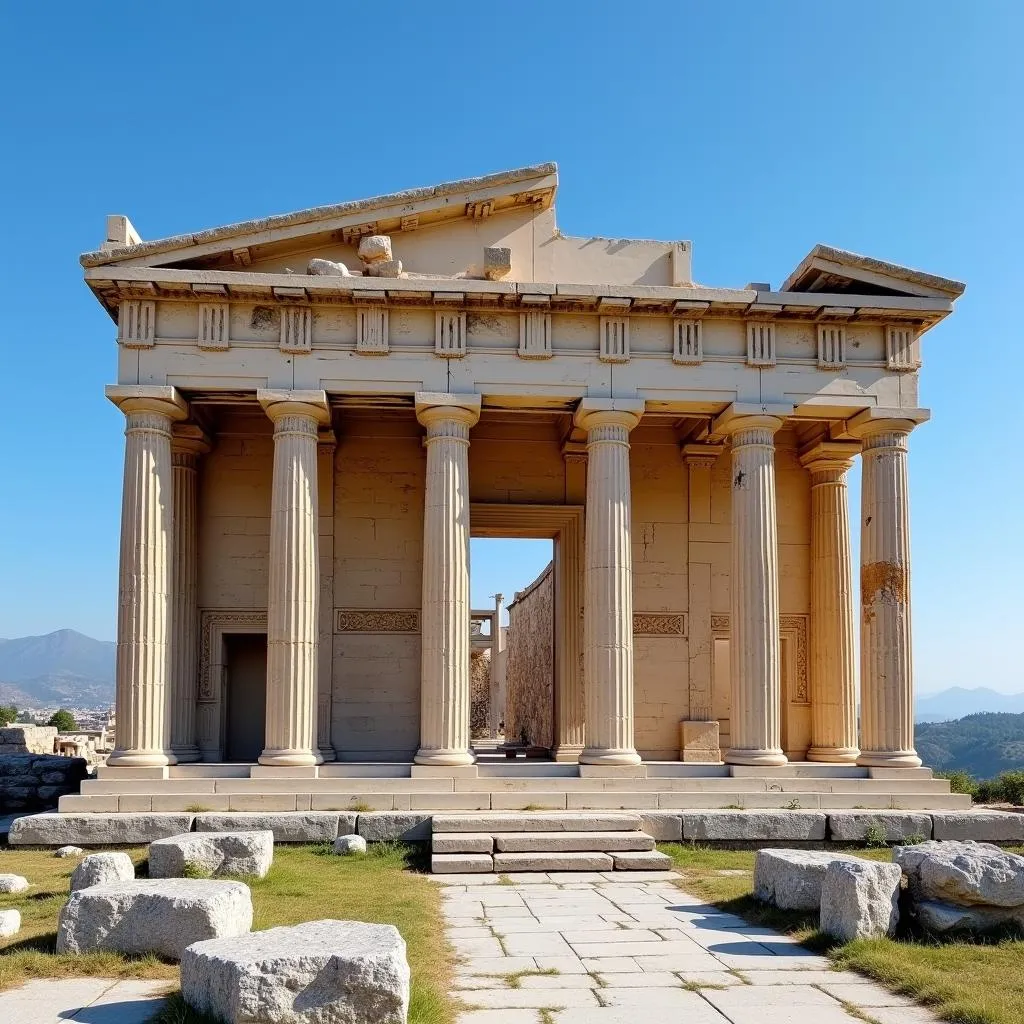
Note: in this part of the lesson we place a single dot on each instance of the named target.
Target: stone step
(553, 862)
(530, 822)
(645, 860)
(572, 842)
(462, 842)
(461, 863)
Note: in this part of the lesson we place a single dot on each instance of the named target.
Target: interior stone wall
(529, 672)
(479, 692)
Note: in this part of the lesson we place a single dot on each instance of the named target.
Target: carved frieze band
(792, 628)
(377, 620)
(659, 624)
(211, 622)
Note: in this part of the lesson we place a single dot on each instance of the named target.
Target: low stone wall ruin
(529, 673)
(27, 739)
(34, 782)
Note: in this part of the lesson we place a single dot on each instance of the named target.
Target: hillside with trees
(983, 745)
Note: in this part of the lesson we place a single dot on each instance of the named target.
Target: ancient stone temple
(321, 408)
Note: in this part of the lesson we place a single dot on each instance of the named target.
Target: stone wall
(27, 739)
(34, 782)
(479, 693)
(529, 673)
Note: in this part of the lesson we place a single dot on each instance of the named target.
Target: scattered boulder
(327, 268)
(321, 972)
(348, 845)
(935, 916)
(160, 916)
(102, 868)
(13, 883)
(966, 874)
(792, 879)
(384, 268)
(212, 853)
(69, 851)
(374, 249)
(860, 899)
(10, 923)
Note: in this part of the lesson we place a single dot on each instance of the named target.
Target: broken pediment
(839, 272)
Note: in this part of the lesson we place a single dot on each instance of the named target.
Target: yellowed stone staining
(754, 640)
(608, 583)
(886, 657)
(833, 672)
(292, 607)
(144, 602)
(445, 642)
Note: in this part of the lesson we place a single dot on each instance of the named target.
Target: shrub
(8, 714)
(874, 837)
(1006, 788)
(960, 782)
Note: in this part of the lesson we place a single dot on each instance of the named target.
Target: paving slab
(83, 1000)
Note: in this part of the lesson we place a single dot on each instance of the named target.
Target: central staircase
(479, 843)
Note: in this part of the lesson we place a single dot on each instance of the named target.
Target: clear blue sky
(754, 129)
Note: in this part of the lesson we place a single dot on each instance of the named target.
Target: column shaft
(886, 656)
(833, 680)
(755, 726)
(292, 606)
(144, 584)
(445, 643)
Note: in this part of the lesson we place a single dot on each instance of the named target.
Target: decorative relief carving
(831, 346)
(792, 628)
(535, 335)
(296, 329)
(760, 343)
(450, 334)
(901, 347)
(372, 330)
(614, 341)
(659, 624)
(214, 325)
(720, 623)
(136, 324)
(211, 622)
(374, 620)
(687, 341)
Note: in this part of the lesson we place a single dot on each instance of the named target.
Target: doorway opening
(245, 686)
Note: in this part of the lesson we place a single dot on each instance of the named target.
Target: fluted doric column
(444, 682)
(292, 606)
(833, 674)
(886, 656)
(188, 443)
(144, 584)
(608, 582)
(755, 723)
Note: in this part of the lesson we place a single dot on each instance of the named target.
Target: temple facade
(321, 408)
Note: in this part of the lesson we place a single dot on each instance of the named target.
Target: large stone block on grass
(212, 853)
(12, 883)
(96, 829)
(892, 826)
(981, 826)
(754, 826)
(160, 916)
(965, 874)
(860, 899)
(321, 972)
(287, 826)
(384, 826)
(102, 869)
(792, 879)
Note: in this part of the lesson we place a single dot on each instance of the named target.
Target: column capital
(872, 421)
(608, 412)
(750, 416)
(162, 399)
(832, 456)
(279, 403)
(189, 439)
(434, 407)
(701, 456)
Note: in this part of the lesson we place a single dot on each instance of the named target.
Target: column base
(186, 754)
(141, 759)
(449, 758)
(767, 758)
(291, 758)
(833, 755)
(568, 753)
(889, 759)
(328, 754)
(596, 755)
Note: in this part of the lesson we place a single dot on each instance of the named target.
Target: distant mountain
(63, 667)
(958, 702)
(983, 745)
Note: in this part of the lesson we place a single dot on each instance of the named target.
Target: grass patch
(301, 886)
(966, 982)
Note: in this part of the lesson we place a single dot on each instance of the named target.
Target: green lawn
(305, 883)
(962, 982)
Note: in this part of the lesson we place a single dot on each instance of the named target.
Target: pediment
(838, 272)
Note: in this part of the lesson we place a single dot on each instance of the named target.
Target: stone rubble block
(939, 917)
(381, 826)
(860, 900)
(754, 826)
(13, 883)
(68, 851)
(462, 842)
(287, 826)
(966, 874)
(792, 879)
(320, 972)
(10, 923)
(374, 248)
(161, 916)
(101, 869)
(213, 853)
(895, 826)
(557, 821)
(571, 842)
(96, 829)
(981, 826)
(580, 861)
(347, 846)
(327, 268)
(460, 863)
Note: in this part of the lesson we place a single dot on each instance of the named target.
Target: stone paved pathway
(596, 948)
(82, 1000)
